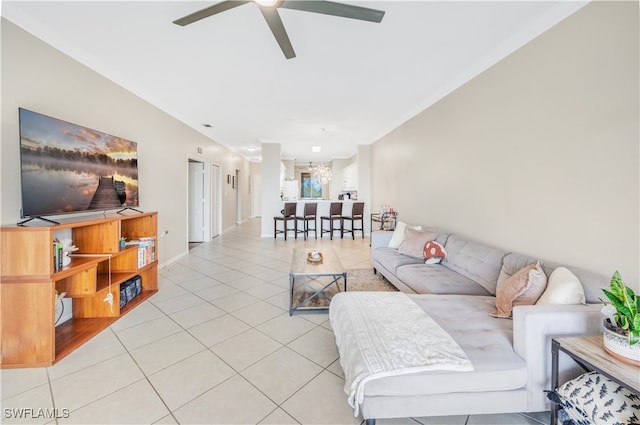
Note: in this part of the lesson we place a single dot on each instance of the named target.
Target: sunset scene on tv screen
(68, 168)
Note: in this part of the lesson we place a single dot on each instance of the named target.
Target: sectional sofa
(511, 357)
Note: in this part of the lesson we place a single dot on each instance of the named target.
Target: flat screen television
(67, 168)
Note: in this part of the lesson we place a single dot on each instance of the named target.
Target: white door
(215, 201)
(238, 194)
(256, 195)
(196, 201)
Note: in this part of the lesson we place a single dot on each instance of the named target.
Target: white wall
(40, 78)
(270, 186)
(539, 154)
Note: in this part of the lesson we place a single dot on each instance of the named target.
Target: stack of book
(58, 253)
(146, 250)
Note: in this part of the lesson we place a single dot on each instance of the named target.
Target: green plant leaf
(627, 305)
(618, 303)
(616, 286)
(631, 301)
(635, 323)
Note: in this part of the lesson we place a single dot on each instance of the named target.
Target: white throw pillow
(563, 287)
(398, 234)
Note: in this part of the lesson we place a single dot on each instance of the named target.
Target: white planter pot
(618, 345)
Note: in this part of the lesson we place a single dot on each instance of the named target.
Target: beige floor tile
(148, 332)
(88, 385)
(281, 374)
(216, 292)
(235, 301)
(167, 290)
(245, 282)
(218, 330)
(265, 290)
(137, 403)
(167, 420)
(182, 382)
(245, 349)
(211, 268)
(317, 345)
(199, 283)
(178, 273)
(145, 312)
(336, 369)
(195, 315)
(279, 417)
(322, 401)
(179, 303)
(318, 317)
(235, 401)
(279, 277)
(102, 347)
(16, 381)
(257, 313)
(285, 328)
(172, 349)
(280, 300)
(230, 276)
(24, 408)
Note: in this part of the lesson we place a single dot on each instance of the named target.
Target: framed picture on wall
(233, 182)
(228, 178)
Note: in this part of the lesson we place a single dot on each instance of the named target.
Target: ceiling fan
(269, 9)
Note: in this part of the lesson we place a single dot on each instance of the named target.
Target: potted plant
(622, 325)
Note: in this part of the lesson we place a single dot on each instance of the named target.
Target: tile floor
(215, 345)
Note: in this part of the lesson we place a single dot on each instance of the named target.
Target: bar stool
(357, 212)
(335, 213)
(289, 214)
(309, 215)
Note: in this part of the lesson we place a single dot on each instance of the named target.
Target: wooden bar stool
(335, 213)
(289, 214)
(357, 213)
(309, 215)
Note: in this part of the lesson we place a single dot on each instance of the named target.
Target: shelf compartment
(75, 332)
(79, 284)
(97, 238)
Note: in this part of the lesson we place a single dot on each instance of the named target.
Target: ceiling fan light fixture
(266, 3)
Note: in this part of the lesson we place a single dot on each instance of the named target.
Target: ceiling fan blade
(208, 11)
(272, 17)
(335, 9)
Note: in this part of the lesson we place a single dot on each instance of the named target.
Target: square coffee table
(314, 278)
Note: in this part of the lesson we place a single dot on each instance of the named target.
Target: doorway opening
(203, 201)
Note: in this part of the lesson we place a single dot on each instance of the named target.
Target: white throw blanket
(382, 334)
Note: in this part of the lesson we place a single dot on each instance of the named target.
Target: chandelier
(321, 172)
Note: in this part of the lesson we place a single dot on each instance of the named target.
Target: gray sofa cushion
(488, 342)
(391, 259)
(437, 279)
(479, 262)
